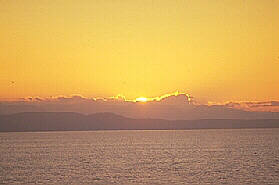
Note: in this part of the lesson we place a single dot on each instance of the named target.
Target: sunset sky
(217, 50)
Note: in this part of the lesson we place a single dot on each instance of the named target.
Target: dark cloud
(274, 103)
(39, 99)
(170, 106)
(252, 104)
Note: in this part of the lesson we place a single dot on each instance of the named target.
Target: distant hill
(70, 121)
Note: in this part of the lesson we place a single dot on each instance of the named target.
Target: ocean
(221, 156)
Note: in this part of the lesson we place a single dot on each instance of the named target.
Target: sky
(216, 51)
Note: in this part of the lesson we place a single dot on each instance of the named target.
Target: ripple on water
(239, 156)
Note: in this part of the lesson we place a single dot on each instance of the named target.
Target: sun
(141, 99)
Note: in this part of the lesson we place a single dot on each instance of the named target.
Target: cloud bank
(173, 106)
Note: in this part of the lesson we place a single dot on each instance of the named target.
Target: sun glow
(141, 99)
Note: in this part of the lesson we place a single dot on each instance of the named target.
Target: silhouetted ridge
(107, 115)
(63, 121)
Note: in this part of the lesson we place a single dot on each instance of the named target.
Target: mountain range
(71, 121)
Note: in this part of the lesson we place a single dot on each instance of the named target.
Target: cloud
(171, 98)
(169, 106)
(174, 99)
(274, 103)
(255, 106)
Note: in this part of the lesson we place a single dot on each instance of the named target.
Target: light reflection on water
(238, 156)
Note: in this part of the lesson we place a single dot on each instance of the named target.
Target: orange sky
(214, 50)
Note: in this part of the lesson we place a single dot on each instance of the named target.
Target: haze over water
(238, 156)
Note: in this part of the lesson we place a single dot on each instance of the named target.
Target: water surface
(238, 156)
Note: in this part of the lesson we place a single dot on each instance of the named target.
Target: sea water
(221, 156)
